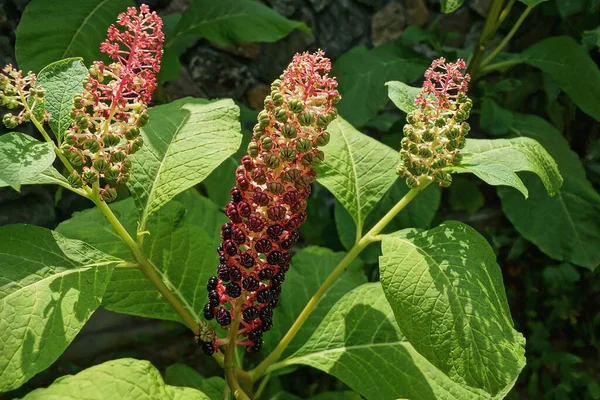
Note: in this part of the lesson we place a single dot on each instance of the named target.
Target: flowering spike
(436, 129)
(18, 91)
(108, 115)
(269, 200)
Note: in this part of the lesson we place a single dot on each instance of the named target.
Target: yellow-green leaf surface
(182, 241)
(183, 375)
(51, 30)
(183, 142)
(358, 170)
(360, 343)
(402, 95)
(497, 161)
(23, 159)
(61, 80)
(48, 176)
(49, 287)
(447, 294)
(121, 379)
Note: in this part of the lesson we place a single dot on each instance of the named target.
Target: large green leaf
(418, 214)
(402, 95)
(182, 241)
(184, 141)
(49, 287)
(494, 119)
(62, 80)
(231, 21)
(448, 297)
(48, 176)
(362, 74)
(310, 267)
(182, 375)
(125, 378)
(360, 343)
(358, 169)
(51, 30)
(572, 68)
(574, 211)
(496, 161)
(23, 159)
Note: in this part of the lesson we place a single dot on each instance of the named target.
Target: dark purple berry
(226, 231)
(266, 274)
(294, 236)
(255, 223)
(274, 257)
(257, 345)
(264, 296)
(223, 317)
(255, 335)
(250, 284)
(266, 313)
(222, 260)
(229, 247)
(223, 272)
(208, 348)
(267, 325)
(291, 197)
(260, 198)
(233, 290)
(244, 209)
(276, 213)
(213, 298)
(236, 194)
(208, 312)
(212, 283)
(246, 260)
(274, 231)
(262, 246)
(250, 314)
(232, 212)
(235, 274)
(278, 279)
(238, 235)
(286, 244)
(284, 262)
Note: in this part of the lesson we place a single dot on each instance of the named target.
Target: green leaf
(496, 162)
(49, 287)
(62, 80)
(465, 195)
(448, 297)
(182, 375)
(532, 2)
(183, 142)
(360, 343)
(310, 267)
(449, 6)
(494, 120)
(232, 21)
(358, 170)
(402, 95)
(51, 30)
(125, 378)
(49, 176)
(572, 68)
(591, 38)
(418, 214)
(574, 211)
(182, 241)
(23, 158)
(362, 74)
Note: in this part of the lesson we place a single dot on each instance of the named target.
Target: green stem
(262, 386)
(505, 12)
(508, 37)
(501, 65)
(489, 28)
(368, 238)
(231, 366)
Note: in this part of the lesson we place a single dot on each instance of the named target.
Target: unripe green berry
(292, 175)
(132, 133)
(289, 132)
(275, 187)
(280, 114)
(112, 174)
(287, 153)
(118, 157)
(124, 178)
(109, 194)
(143, 119)
(90, 176)
(411, 182)
(101, 165)
(263, 119)
(267, 102)
(272, 161)
(253, 149)
(136, 144)
(295, 106)
(75, 180)
(277, 97)
(323, 120)
(110, 140)
(10, 121)
(306, 119)
(428, 135)
(444, 178)
(77, 102)
(323, 139)
(125, 166)
(303, 145)
(425, 152)
(266, 142)
(76, 159)
(70, 139)
(91, 145)
(413, 149)
(276, 85)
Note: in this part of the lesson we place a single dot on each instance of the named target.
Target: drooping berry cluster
(108, 115)
(269, 200)
(18, 91)
(436, 129)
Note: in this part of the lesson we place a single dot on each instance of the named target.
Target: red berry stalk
(108, 114)
(268, 201)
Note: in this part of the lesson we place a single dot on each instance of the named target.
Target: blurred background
(555, 305)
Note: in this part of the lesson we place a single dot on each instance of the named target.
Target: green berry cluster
(20, 92)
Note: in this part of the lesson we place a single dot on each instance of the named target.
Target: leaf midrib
(81, 26)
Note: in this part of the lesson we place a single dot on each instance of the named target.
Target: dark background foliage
(555, 305)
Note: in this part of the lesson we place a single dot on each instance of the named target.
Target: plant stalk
(508, 37)
(489, 28)
(368, 238)
(231, 366)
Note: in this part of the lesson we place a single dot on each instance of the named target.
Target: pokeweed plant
(436, 325)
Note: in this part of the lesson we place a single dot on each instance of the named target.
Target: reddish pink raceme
(113, 106)
(269, 200)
